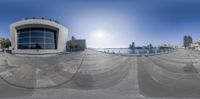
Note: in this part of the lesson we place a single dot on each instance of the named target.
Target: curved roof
(37, 22)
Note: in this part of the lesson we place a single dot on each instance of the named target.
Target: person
(37, 46)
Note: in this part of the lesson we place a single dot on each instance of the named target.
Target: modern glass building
(38, 36)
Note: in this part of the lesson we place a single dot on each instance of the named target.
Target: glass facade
(36, 38)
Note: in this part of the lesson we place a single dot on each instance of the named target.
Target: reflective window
(23, 35)
(23, 40)
(48, 40)
(23, 30)
(50, 35)
(36, 38)
(49, 46)
(37, 46)
(23, 46)
(37, 34)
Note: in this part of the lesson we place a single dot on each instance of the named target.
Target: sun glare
(99, 34)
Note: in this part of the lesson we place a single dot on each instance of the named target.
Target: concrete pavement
(161, 76)
(92, 74)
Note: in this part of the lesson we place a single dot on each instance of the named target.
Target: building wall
(61, 36)
(187, 40)
(76, 45)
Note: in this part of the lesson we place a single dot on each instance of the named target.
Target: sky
(112, 23)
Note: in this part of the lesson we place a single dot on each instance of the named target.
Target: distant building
(195, 45)
(150, 46)
(132, 46)
(76, 44)
(165, 46)
(187, 40)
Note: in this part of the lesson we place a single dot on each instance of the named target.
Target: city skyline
(109, 23)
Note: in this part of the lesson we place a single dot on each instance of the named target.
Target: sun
(99, 34)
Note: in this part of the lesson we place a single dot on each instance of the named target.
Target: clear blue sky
(119, 21)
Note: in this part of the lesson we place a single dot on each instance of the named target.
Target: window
(23, 30)
(49, 46)
(23, 40)
(36, 38)
(23, 46)
(48, 40)
(37, 34)
(23, 35)
(37, 46)
(50, 34)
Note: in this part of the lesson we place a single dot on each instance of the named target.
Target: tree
(5, 43)
(2, 43)
(8, 43)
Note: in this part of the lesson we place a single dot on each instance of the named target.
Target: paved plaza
(96, 75)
